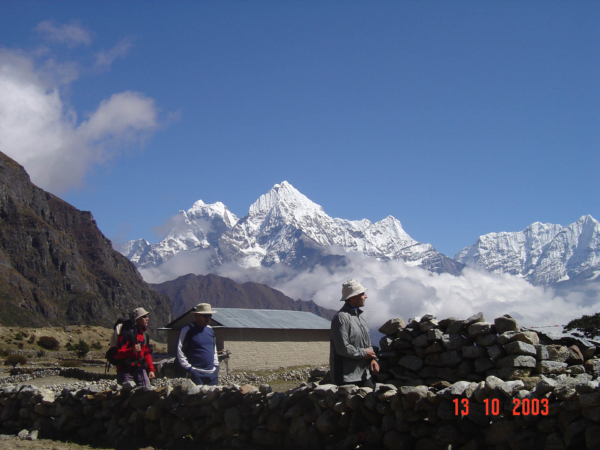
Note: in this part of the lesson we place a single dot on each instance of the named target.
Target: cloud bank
(398, 290)
(41, 131)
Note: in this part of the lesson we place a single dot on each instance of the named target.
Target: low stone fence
(429, 351)
(492, 414)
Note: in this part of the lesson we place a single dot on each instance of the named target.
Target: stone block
(455, 327)
(450, 359)
(482, 364)
(516, 361)
(436, 347)
(480, 329)
(575, 356)
(473, 351)
(486, 340)
(551, 367)
(505, 323)
(411, 362)
(592, 366)
(392, 326)
(453, 341)
(529, 337)
(421, 341)
(427, 326)
(520, 348)
(513, 373)
(434, 335)
(474, 318)
(496, 352)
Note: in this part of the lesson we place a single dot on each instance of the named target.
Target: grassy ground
(27, 338)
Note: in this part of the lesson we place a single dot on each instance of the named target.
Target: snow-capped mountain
(542, 253)
(198, 228)
(284, 226)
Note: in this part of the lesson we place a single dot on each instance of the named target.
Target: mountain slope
(56, 267)
(284, 226)
(542, 253)
(187, 291)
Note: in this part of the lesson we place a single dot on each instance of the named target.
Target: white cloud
(41, 132)
(104, 59)
(398, 290)
(69, 34)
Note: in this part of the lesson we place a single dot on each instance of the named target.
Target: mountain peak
(285, 197)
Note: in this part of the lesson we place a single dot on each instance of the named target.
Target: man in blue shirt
(196, 349)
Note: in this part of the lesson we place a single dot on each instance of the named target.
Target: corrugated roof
(263, 318)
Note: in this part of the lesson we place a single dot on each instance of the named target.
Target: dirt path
(45, 444)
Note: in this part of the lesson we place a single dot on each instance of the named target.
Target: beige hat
(351, 288)
(139, 312)
(203, 308)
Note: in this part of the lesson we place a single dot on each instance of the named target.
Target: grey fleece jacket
(348, 348)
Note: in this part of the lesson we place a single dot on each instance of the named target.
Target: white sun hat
(203, 308)
(139, 312)
(351, 288)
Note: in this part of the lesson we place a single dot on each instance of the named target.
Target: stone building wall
(257, 349)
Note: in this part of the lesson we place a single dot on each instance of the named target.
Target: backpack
(122, 327)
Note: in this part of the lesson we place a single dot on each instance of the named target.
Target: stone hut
(258, 339)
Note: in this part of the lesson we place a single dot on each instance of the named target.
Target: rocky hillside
(187, 291)
(56, 267)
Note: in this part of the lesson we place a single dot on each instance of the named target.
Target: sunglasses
(208, 316)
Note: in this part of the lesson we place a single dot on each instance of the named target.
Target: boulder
(392, 326)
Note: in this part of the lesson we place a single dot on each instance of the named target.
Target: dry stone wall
(548, 411)
(429, 351)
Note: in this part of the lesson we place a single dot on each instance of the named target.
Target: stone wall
(428, 351)
(548, 411)
(258, 349)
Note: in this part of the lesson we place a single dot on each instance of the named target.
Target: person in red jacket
(134, 351)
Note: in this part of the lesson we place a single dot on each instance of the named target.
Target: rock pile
(429, 351)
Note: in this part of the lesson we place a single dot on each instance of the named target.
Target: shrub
(70, 347)
(585, 326)
(31, 339)
(71, 363)
(48, 342)
(19, 336)
(41, 353)
(13, 360)
(97, 345)
(82, 348)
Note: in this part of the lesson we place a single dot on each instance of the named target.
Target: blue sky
(457, 118)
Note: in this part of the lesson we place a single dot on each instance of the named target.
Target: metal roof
(263, 318)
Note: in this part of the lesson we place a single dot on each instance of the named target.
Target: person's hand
(371, 354)
(151, 375)
(374, 366)
(137, 348)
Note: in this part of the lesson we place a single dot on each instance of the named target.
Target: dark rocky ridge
(56, 267)
(187, 291)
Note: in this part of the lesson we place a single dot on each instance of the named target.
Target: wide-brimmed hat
(203, 308)
(351, 288)
(139, 312)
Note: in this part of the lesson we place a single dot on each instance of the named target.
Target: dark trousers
(207, 380)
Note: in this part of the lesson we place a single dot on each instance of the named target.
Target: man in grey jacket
(351, 356)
